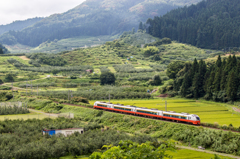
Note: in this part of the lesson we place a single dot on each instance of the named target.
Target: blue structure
(65, 132)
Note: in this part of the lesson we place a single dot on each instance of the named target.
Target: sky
(12, 10)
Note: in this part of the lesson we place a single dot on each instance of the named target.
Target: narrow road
(48, 114)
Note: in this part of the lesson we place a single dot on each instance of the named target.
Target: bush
(150, 50)
(5, 87)
(80, 99)
(107, 78)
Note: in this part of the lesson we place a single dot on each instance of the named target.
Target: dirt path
(207, 151)
(48, 114)
(24, 58)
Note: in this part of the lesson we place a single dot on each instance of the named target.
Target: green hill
(92, 18)
(18, 25)
(209, 24)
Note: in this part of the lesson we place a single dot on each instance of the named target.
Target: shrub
(80, 99)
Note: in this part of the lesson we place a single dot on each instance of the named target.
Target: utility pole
(165, 105)
(68, 95)
(37, 90)
(109, 98)
(26, 87)
(12, 90)
(31, 87)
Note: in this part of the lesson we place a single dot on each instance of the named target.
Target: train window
(101, 105)
(146, 112)
(166, 115)
(198, 118)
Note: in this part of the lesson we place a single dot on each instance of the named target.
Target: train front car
(194, 119)
(103, 105)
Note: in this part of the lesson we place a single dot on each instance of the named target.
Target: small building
(89, 71)
(65, 132)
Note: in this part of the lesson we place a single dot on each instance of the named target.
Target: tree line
(219, 81)
(209, 24)
(49, 59)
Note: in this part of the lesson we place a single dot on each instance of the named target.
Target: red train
(169, 115)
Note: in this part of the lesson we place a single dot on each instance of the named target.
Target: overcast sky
(12, 10)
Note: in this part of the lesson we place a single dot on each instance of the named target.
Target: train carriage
(125, 109)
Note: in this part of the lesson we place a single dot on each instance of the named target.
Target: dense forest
(92, 18)
(3, 49)
(18, 25)
(218, 82)
(212, 24)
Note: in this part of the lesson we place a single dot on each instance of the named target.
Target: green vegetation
(3, 87)
(129, 149)
(186, 154)
(218, 82)
(49, 59)
(107, 78)
(8, 110)
(100, 92)
(205, 25)
(24, 139)
(3, 50)
(50, 69)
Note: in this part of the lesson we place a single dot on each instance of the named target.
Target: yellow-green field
(179, 154)
(209, 112)
(187, 154)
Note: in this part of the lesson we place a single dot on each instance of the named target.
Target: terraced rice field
(209, 112)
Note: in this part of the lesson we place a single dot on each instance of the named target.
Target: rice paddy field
(209, 112)
(179, 154)
(186, 154)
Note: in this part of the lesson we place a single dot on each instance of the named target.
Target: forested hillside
(93, 18)
(218, 82)
(210, 24)
(18, 25)
(3, 49)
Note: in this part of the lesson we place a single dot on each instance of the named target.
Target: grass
(179, 154)
(209, 112)
(72, 157)
(31, 115)
(186, 154)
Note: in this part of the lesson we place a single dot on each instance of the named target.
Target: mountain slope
(210, 24)
(93, 18)
(18, 25)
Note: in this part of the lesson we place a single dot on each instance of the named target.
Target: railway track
(152, 118)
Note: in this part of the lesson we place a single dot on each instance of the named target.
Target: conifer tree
(219, 61)
(196, 85)
(217, 79)
(185, 85)
(232, 85)
(210, 86)
(223, 80)
(228, 66)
